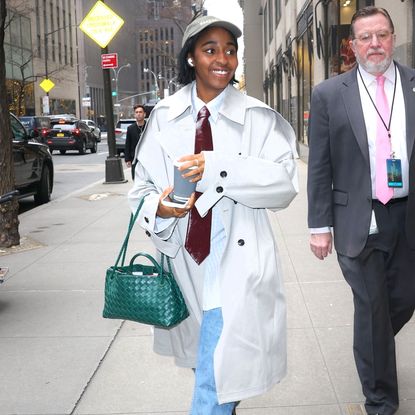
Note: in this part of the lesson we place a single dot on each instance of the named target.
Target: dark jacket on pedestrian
(134, 132)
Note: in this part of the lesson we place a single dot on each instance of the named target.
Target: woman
(235, 335)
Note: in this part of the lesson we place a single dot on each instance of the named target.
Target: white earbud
(190, 62)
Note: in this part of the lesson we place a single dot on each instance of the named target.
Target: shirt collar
(213, 106)
(389, 74)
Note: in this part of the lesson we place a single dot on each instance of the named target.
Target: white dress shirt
(398, 122)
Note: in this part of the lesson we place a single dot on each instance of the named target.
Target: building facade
(147, 46)
(41, 41)
(303, 43)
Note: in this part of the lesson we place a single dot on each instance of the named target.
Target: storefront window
(341, 57)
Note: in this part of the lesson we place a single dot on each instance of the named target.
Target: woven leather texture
(147, 294)
(147, 299)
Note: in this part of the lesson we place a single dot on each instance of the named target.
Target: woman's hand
(196, 164)
(173, 212)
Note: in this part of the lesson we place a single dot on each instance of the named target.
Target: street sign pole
(101, 24)
(114, 172)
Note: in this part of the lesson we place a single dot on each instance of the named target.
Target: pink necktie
(383, 146)
(198, 229)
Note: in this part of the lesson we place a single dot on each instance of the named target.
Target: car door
(87, 133)
(26, 166)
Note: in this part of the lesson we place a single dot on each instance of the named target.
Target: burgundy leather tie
(198, 229)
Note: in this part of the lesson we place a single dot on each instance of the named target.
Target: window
(45, 19)
(38, 25)
(265, 29)
(277, 7)
(58, 20)
(270, 22)
(18, 131)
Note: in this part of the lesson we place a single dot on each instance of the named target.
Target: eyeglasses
(381, 36)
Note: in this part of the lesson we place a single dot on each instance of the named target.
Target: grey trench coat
(257, 152)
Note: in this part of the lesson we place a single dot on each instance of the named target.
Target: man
(358, 184)
(134, 132)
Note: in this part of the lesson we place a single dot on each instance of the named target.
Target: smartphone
(169, 203)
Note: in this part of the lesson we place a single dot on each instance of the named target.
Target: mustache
(375, 51)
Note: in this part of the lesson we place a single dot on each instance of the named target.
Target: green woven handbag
(147, 294)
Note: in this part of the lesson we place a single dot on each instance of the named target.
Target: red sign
(109, 60)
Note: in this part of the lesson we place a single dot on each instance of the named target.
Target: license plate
(60, 135)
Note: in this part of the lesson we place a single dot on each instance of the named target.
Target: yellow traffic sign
(101, 24)
(46, 85)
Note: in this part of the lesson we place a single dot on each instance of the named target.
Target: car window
(124, 124)
(44, 122)
(18, 131)
(64, 127)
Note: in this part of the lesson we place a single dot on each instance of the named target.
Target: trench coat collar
(233, 107)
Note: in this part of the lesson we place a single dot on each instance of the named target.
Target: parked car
(69, 133)
(121, 134)
(94, 128)
(37, 126)
(33, 165)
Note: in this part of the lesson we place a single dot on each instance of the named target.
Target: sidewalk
(59, 356)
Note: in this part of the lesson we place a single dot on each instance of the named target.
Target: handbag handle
(123, 251)
(133, 218)
(150, 258)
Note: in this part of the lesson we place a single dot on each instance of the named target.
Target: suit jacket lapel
(408, 89)
(354, 110)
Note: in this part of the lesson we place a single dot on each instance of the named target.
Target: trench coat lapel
(354, 110)
(408, 89)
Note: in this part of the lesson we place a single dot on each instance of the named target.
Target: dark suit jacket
(131, 140)
(339, 184)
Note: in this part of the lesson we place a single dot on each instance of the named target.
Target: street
(74, 172)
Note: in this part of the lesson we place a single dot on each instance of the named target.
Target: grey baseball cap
(202, 22)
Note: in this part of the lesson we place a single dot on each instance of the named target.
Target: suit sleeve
(319, 184)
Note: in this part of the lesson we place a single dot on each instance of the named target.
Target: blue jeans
(205, 399)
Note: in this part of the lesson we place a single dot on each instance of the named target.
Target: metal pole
(114, 172)
(46, 68)
(155, 81)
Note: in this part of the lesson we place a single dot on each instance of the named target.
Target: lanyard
(373, 102)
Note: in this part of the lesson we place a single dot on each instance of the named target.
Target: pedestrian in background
(134, 132)
(243, 161)
(361, 135)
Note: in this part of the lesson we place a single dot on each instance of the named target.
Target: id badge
(394, 170)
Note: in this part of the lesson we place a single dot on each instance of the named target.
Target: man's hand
(128, 163)
(321, 244)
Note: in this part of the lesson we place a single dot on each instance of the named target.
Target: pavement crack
(96, 369)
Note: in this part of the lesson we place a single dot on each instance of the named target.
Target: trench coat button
(219, 189)
(235, 202)
(241, 242)
(148, 233)
(223, 174)
(239, 154)
(146, 219)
